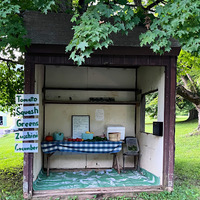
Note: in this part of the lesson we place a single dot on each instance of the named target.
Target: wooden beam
(100, 193)
(112, 50)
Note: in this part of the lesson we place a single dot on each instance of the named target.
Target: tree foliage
(12, 30)
(188, 80)
(151, 104)
(178, 19)
(188, 76)
(95, 21)
(12, 40)
(12, 82)
(95, 26)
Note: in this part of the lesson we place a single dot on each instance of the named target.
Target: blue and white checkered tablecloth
(82, 147)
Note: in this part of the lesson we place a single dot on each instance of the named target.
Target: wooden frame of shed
(49, 49)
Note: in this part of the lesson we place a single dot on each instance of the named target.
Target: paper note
(99, 115)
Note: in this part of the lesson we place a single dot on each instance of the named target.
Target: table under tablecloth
(82, 147)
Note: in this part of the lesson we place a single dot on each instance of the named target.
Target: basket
(114, 136)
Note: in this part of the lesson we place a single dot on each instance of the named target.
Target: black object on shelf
(101, 99)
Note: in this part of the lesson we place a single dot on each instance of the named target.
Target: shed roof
(55, 28)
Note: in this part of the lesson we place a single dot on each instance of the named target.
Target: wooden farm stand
(49, 35)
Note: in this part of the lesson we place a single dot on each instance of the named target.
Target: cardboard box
(117, 128)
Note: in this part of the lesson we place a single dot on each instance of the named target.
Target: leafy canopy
(188, 64)
(12, 32)
(178, 19)
(96, 20)
(94, 27)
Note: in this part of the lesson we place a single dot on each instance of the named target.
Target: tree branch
(154, 4)
(8, 60)
(138, 3)
(184, 80)
(188, 95)
(192, 82)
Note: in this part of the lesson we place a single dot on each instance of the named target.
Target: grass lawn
(187, 164)
(11, 164)
(187, 167)
(4, 127)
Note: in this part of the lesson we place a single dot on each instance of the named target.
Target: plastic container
(58, 136)
(132, 145)
(87, 136)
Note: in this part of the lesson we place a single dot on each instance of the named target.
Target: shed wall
(39, 82)
(151, 146)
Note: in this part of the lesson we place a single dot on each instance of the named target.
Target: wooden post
(169, 124)
(116, 163)
(28, 157)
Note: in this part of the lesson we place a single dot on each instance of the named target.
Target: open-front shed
(117, 79)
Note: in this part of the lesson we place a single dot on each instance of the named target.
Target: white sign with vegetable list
(27, 98)
(26, 135)
(22, 123)
(27, 111)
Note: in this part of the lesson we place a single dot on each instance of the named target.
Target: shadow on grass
(11, 184)
(188, 171)
(186, 121)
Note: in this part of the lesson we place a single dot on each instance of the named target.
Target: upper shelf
(88, 102)
(96, 89)
(92, 102)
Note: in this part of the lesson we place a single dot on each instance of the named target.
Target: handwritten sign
(26, 147)
(27, 98)
(27, 123)
(27, 111)
(26, 135)
(80, 124)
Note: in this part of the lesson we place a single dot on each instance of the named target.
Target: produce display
(75, 140)
(89, 139)
(97, 138)
(49, 138)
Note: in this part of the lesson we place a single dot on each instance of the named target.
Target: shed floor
(94, 179)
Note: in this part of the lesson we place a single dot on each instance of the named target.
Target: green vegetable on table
(96, 138)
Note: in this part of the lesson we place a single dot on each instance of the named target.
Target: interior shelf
(92, 102)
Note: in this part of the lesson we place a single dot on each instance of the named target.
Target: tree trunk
(198, 110)
(192, 97)
(193, 114)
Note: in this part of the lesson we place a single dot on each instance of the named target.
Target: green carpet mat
(94, 179)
